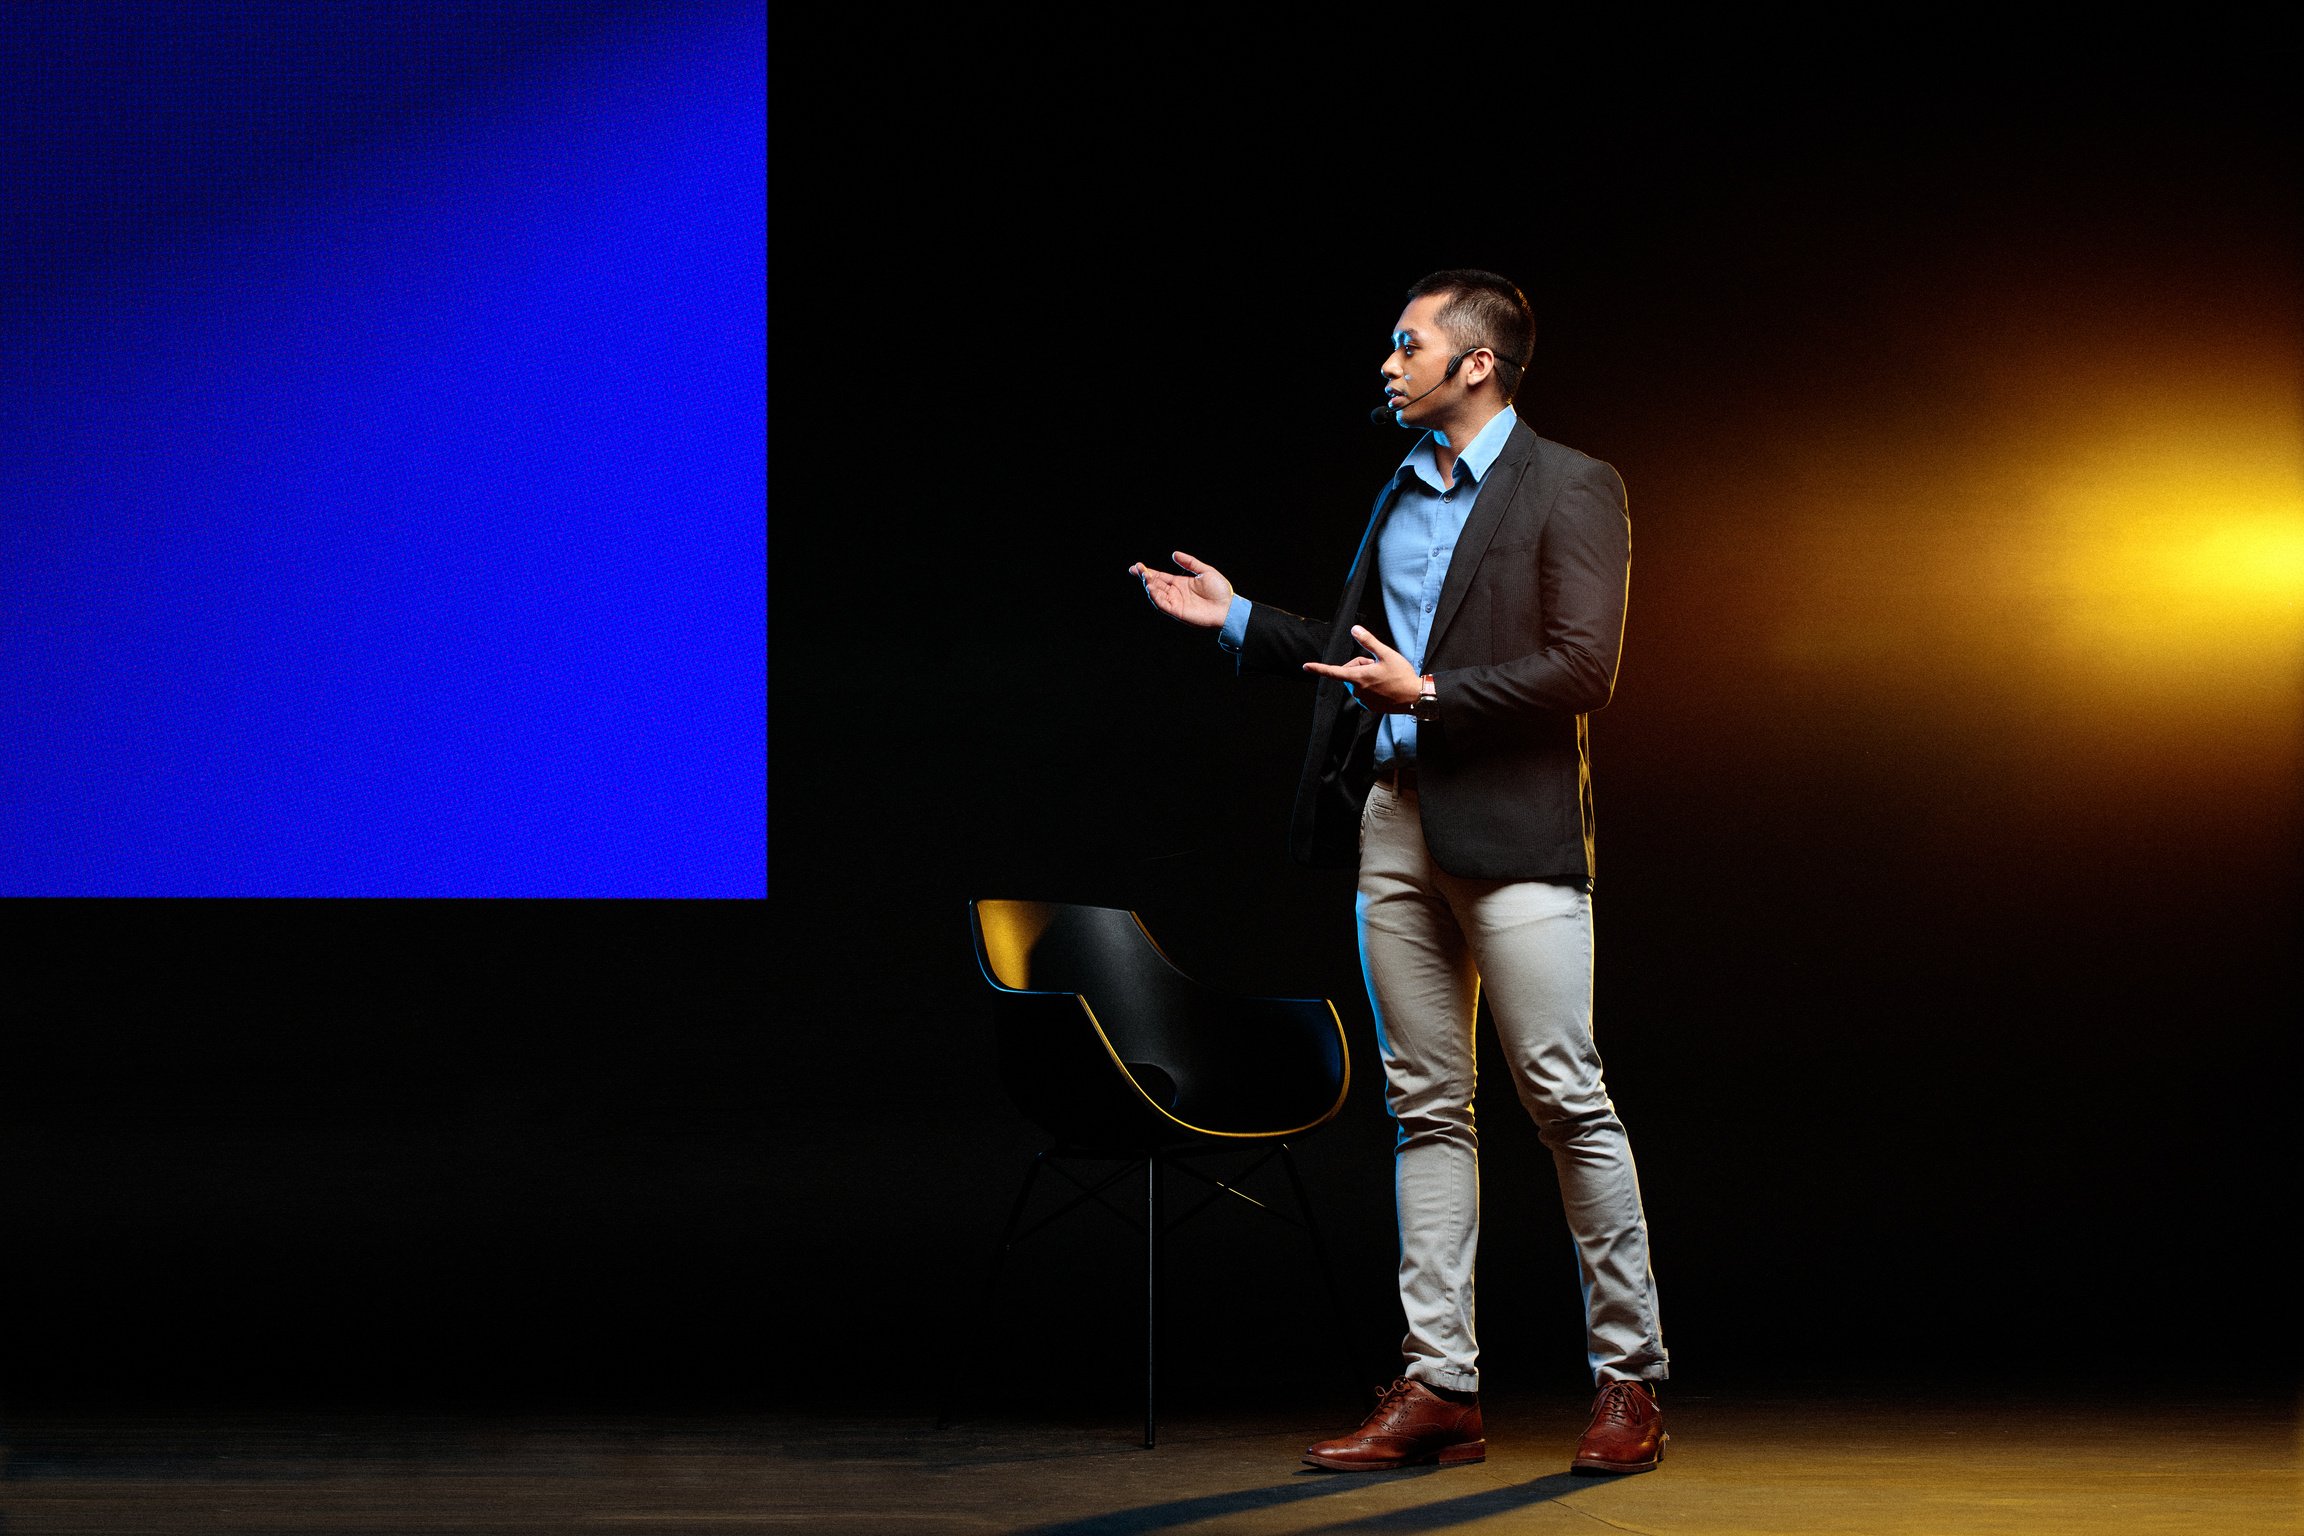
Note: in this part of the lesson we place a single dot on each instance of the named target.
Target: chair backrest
(1139, 996)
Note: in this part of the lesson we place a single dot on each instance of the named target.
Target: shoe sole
(1457, 1455)
(1593, 1466)
(1590, 1465)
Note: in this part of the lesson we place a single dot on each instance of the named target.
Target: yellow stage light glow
(2193, 571)
(2090, 541)
(2021, 567)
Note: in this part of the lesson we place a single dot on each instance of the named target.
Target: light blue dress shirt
(1413, 549)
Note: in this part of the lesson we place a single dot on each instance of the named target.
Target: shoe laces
(1620, 1400)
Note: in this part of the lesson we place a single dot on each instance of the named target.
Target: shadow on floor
(1437, 1516)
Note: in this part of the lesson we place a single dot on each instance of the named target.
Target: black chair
(1124, 1059)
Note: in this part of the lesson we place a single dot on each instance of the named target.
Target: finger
(1186, 562)
(1374, 644)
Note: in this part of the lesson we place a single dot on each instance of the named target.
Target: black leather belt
(1396, 777)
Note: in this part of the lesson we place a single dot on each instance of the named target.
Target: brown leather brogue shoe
(1626, 1433)
(1412, 1426)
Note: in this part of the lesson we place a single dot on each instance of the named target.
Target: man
(1479, 625)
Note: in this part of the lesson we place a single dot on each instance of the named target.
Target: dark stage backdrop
(1948, 803)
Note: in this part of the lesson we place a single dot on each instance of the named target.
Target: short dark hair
(1484, 310)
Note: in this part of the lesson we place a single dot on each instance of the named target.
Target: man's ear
(1479, 364)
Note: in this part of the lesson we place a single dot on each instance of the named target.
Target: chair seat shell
(1106, 1044)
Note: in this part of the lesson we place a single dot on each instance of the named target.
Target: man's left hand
(1383, 680)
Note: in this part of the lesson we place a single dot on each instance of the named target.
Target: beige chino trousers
(1429, 941)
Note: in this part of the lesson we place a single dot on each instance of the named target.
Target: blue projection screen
(393, 521)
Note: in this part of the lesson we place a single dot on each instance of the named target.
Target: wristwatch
(1426, 709)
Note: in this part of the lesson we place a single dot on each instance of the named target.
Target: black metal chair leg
(962, 1352)
(1151, 1299)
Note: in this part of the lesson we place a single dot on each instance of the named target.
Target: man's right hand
(1201, 597)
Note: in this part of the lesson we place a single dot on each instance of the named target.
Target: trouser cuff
(1454, 1379)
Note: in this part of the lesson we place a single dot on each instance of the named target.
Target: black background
(1952, 1025)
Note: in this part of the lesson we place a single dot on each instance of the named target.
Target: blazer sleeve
(1280, 641)
(1581, 573)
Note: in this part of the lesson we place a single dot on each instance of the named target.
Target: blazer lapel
(1496, 494)
(1341, 645)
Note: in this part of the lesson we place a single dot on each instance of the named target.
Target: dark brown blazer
(1523, 647)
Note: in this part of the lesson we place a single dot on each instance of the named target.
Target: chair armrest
(1271, 1064)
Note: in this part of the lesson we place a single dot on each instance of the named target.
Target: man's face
(1420, 353)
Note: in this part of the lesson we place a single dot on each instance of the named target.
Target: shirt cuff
(1235, 628)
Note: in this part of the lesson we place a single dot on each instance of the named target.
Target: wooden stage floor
(1865, 1465)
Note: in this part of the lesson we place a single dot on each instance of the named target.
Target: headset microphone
(1382, 416)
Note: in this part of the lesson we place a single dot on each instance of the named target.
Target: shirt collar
(1471, 464)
